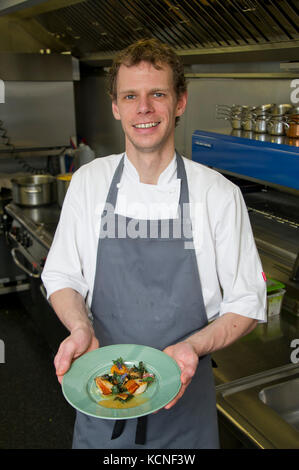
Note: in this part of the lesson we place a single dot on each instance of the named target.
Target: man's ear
(181, 104)
(115, 110)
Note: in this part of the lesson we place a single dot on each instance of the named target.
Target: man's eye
(130, 97)
(158, 94)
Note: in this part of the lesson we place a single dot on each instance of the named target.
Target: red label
(264, 276)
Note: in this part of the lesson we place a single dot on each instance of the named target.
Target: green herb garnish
(118, 362)
(148, 380)
(127, 399)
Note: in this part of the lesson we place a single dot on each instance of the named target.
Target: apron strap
(140, 437)
(118, 428)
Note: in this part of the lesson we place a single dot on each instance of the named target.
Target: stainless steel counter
(245, 368)
(266, 347)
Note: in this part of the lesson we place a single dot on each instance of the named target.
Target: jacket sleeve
(63, 267)
(239, 267)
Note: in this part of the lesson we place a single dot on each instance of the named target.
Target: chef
(154, 249)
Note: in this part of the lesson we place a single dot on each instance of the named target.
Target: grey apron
(147, 291)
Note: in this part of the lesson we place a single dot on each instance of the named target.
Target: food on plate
(104, 385)
(124, 382)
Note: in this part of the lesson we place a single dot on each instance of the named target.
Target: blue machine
(266, 162)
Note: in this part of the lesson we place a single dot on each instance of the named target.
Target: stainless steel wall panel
(37, 67)
(38, 114)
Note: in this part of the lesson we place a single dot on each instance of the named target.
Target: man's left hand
(184, 354)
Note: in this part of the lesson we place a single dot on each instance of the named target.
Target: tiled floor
(33, 412)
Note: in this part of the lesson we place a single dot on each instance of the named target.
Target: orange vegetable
(119, 370)
(104, 386)
(132, 386)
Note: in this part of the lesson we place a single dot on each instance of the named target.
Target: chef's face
(147, 106)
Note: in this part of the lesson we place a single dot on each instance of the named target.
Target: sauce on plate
(116, 404)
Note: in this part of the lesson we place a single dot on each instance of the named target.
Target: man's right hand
(80, 341)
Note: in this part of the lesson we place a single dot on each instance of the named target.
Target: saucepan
(276, 126)
(293, 126)
(280, 109)
(260, 125)
(34, 190)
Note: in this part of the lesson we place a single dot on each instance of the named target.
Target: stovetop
(40, 221)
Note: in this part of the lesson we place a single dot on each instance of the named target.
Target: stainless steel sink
(284, 399)
(264, 407)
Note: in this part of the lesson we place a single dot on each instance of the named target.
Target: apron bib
(147, 291)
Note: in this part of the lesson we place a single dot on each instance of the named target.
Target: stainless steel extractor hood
(199, 29)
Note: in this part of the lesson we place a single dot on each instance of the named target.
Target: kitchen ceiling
(102, 27)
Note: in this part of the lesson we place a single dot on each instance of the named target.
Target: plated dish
(124, 382)
(140, 381)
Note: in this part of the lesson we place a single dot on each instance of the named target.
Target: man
(154, 290)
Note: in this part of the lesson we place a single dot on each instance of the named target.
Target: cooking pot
(34, 190)
(276, 126)
(63, 182)
(293, 129)
(236, 122)
(260, 125)
(264, 109)
(248, 124)
(281, 109)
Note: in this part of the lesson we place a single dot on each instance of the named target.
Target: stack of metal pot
(261, 119)
(248, 118)
(268, 119)
(234, 114)
(277, 123)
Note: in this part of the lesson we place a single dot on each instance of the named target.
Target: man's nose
(145, 104)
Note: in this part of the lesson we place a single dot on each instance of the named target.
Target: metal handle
(21, 266)
(203, 144)
(34, 190)
(43, 291)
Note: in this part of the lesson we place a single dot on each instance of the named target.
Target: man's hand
(80, 341)
(184, 354)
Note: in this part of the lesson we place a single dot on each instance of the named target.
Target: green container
(275, 294)
(273, 285)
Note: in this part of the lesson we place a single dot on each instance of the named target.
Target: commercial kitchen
(241, 61)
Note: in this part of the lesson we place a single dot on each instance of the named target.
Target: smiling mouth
(146, 125)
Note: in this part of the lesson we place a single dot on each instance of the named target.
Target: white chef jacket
(229, 266)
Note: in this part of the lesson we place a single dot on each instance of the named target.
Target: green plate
(79, 388)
